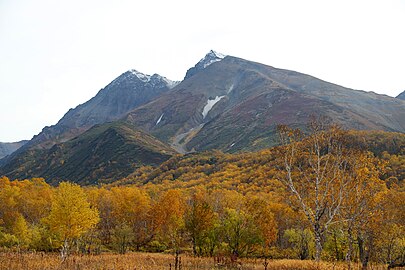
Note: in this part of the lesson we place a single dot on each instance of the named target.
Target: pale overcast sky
(56, 54)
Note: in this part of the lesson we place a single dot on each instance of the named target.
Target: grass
(148, 261)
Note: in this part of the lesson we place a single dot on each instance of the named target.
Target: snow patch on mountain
(170, 83)
(160, 119)
(143, 77)
(153, 79)
(210, 104)
(230, 88)
(210, 58)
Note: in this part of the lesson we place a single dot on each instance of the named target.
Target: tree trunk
(337, 255)
(318, 246)
(318, 242)
(64, 253)
(363, 252)
(304, 249)
(193, 240)
(211, 250)
(177, 260)
(350, 248)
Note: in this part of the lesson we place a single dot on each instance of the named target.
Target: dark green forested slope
(105, 152)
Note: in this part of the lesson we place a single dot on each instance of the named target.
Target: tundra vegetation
(326, 198)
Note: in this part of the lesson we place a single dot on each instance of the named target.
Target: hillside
(8, 148)
(253, 172)
(104, 153)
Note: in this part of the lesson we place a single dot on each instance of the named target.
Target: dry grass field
(148, 261)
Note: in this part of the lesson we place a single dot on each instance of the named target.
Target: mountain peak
(211, 57)
(153, 79)
(214, 55)
(143, 77)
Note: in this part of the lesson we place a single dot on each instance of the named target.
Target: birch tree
(362, 204)
(71, 215)
(316, 170)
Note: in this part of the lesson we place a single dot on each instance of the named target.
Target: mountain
(224, 103)
(126, 92)
(401, 96)
(233, 104)
(8, 148)
(101, 154)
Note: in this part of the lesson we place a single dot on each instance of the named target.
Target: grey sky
(55, 55)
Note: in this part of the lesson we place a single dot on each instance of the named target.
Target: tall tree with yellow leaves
(168, 218)
(131, 206)
(71, 215)
(200, 219)
(35, 200)
(362, 202)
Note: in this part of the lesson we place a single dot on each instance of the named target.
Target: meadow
(149, 261)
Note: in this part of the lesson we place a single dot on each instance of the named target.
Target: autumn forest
(323, 194)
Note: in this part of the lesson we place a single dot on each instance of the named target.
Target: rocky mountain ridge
(401, 96)
(210, 58)
(128, 91)
(8, 148)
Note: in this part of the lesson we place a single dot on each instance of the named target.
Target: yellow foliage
(71, 214)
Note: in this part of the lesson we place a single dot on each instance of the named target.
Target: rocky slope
(401, 96)
(210, 58)
(233, 104)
